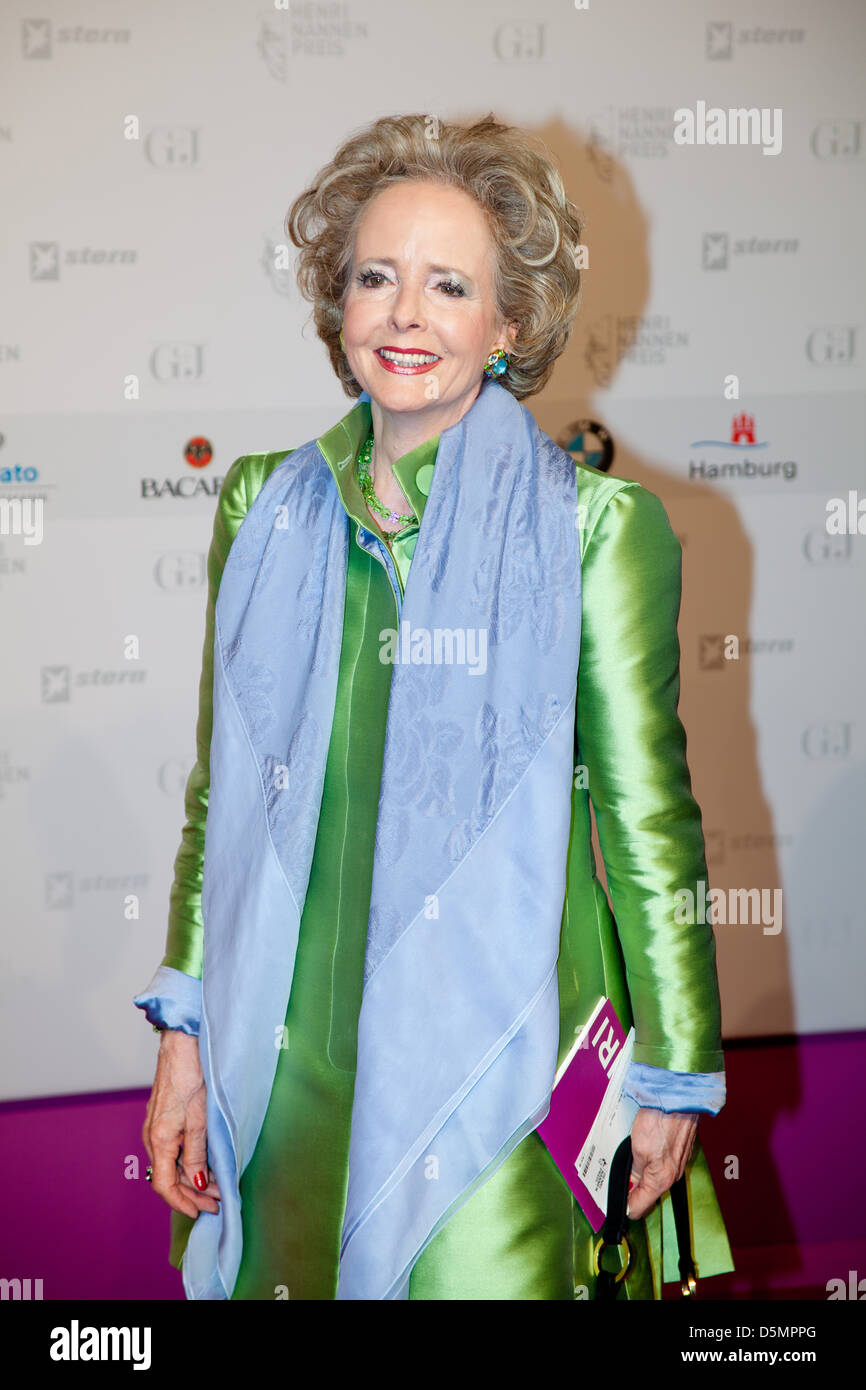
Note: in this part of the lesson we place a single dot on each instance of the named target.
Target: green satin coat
(521, 1235)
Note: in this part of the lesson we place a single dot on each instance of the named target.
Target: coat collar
(339, 446)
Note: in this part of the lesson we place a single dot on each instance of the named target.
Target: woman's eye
(370, 278)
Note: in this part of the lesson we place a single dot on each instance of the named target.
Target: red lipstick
(406, 368)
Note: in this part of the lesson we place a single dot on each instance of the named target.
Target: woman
(395, 930)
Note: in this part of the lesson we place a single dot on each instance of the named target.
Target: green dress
(521, 1235)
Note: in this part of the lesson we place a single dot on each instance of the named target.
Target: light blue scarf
(459, 1025)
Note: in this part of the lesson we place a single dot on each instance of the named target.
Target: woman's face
(422, 283)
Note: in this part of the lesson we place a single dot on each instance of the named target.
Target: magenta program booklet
(589, 1113)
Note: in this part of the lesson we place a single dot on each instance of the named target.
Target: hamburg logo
(742, 436)
(589, 443)
(198, 452)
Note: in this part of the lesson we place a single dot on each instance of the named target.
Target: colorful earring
(496, 364)
(342, 340)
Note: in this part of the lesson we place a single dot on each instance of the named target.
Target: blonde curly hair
(534, 226)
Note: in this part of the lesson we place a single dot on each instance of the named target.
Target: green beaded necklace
(366, 484)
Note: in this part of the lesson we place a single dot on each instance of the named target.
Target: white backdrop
(151, 259)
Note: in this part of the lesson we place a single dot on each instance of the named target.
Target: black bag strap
(615, 1228)
(688, 1272)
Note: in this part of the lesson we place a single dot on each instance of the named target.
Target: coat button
(424, 478)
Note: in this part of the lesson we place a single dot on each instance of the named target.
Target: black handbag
(613, 1232)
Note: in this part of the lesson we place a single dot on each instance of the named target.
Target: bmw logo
(588, 442)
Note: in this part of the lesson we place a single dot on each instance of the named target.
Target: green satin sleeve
(633, 744)
(183, 949)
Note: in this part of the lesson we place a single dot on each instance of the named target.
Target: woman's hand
(661, 1145)
(177, 1115)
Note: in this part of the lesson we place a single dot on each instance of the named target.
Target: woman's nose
(407, 310)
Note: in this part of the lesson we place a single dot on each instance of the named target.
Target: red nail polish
(200, 1181)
